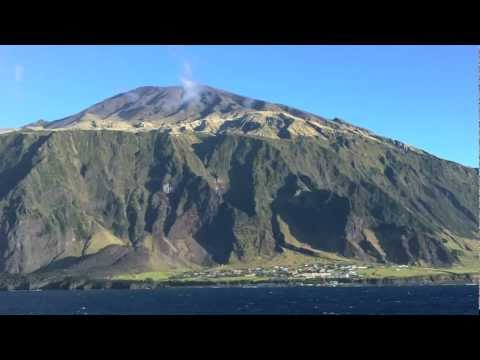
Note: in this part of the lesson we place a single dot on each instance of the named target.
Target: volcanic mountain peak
(164, 105)
(201, 108)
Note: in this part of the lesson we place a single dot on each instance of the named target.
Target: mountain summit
(164, 104)
(199, 108)
(159, 106)
(163, 177)
(203, 109)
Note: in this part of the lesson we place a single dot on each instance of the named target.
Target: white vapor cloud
(191, 88)
(19, 73)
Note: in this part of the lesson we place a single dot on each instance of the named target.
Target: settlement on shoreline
(329, 275)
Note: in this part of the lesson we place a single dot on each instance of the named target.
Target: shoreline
(16, 283)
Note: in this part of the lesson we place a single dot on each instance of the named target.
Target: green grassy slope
(234, 200)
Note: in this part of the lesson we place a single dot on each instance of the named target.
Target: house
(167, 188)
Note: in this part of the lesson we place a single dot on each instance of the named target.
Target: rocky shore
(21, 282)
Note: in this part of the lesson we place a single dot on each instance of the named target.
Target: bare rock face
(121, 187)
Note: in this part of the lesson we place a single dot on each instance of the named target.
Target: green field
(156, 276)
(411, 271)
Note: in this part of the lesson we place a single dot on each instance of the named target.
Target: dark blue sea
(446, 299)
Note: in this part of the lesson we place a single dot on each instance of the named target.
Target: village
(299, 272)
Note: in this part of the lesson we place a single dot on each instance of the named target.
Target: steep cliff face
(153, 199)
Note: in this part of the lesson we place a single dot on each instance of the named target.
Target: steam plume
(191, 89)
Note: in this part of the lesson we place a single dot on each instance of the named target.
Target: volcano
(167, 177)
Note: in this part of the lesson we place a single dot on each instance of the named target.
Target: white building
(167, 188)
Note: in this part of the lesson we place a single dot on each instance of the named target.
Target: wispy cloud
(191, 88)
(19, 72)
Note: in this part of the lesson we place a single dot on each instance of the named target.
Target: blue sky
(425, 96)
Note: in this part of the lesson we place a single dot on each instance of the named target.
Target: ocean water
(446, 299)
